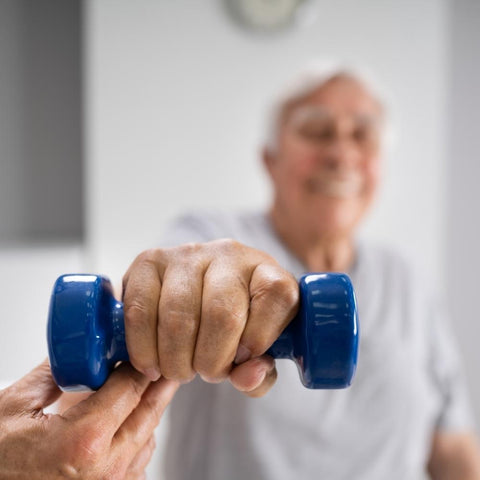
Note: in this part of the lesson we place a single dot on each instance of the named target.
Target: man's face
(326, 167)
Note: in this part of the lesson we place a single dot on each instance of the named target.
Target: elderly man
(213, 307)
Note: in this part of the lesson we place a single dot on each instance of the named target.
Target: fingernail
(258, 379)
(243, 354)
(261, 378)
(152, 373)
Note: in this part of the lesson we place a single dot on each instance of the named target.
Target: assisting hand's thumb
(35, 390)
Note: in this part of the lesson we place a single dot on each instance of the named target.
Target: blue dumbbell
(86, 332)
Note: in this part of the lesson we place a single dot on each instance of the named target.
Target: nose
(341, 153)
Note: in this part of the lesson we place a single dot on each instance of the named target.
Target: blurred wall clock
(271, 15)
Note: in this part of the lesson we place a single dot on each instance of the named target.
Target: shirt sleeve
(455, 413)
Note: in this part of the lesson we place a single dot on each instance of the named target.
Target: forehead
(341, 96)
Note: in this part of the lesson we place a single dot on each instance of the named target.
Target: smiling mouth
(336, 187)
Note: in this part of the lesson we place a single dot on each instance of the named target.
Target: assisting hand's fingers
(119, 396)
(136, 470)
(141, 294)
(225, 305)
(139, 426)
(255, 377)
(34, 391)
(274, 302)
(179, 319)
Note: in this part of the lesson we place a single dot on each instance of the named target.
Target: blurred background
(115, 116)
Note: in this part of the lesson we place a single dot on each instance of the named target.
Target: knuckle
(125, 437)
(258, 341)
(135, 389)
(211, 372)
(146, 261)
(227, 245)
(142, 363)
(182, 375)
(281, 288)
(136, 314)
(85, 451)
(259, 345)
(223, 315)
(148, 256)
(84, 455)
(155, 408)
(177, 322)
(285, 288)
(190, 249)
(213, 377)
(70, 470)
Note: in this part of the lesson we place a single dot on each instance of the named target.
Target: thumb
(35, 390)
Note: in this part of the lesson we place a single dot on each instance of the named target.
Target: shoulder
(385, 260)
(393, 274)
(211, 224)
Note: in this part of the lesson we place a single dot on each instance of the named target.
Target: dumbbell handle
(86, 332)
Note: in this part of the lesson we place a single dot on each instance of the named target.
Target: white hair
(313, 77)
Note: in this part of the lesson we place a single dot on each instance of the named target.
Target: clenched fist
(212, 309)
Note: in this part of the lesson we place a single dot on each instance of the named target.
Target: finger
(179, 319)
(225, 304)
(255, 377)
(141, 295)
(138, 465)
(33, 392)
(119, 396)
(69, 399)
(274, 302)
(139, 426)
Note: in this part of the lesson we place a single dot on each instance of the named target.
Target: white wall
(175, 94)
(463, 227)
(174, 104)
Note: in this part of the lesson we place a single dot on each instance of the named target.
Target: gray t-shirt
(408, 384)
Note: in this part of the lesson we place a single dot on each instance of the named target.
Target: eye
(360, 135)
(316, 132)
(364, 135)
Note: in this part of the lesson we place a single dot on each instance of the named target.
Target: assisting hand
(212, 309)
(107, 435)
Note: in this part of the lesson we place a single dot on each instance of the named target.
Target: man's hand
(108, 435)
(212, 309)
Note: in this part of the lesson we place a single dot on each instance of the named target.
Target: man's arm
(454, 456)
